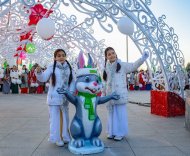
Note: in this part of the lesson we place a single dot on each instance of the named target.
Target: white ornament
(125, 25)
(45, 28)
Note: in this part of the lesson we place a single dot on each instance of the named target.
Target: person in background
(15, 80)
(142, 82)
(24, 80)
(132, 81)
(32, 81)
(6, 81)
(136, 81)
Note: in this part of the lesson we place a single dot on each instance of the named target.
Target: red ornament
(16, 55)
(37, 13)
(19, 48)
(24, 49)
(26, 36)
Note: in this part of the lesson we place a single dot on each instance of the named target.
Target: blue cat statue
(86, 126)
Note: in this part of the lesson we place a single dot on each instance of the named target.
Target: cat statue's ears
(81, 61)
(90, 61)
(86, 70)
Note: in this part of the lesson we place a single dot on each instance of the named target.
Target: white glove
(145, 55)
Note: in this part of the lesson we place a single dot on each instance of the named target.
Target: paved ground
(139, 97)
(24, 130)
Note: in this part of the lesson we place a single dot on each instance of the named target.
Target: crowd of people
(139, 80)
(22, 81)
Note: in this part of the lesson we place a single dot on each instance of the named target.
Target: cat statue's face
(89, 84)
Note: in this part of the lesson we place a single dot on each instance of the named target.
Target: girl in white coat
(60, 75)
(115, 81)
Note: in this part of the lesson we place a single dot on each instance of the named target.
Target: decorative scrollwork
(151, 34)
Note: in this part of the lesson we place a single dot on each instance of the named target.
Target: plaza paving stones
(24, 129)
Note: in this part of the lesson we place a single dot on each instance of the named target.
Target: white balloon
(45, 28)
(125, 25)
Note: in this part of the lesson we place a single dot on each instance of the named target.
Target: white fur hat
(87, 71)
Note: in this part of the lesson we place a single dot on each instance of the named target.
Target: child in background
(6, 80)
(60, 75)
(115, 79)
(15, 80)
(24, 79)
(32, 81)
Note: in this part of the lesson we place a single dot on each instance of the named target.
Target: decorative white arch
(69, 35)
(151, 34)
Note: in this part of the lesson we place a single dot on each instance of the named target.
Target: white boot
(60, 143)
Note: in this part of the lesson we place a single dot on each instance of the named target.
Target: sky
(177, 16)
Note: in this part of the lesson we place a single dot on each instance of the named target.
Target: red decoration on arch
(37, 13)
(16, 55)
(26, 36)
(19, 48)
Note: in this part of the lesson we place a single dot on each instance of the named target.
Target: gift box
(167, 104)
(24, 90)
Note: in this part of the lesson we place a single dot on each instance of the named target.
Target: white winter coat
(14, 74)
(62, 73)
(117, 81)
